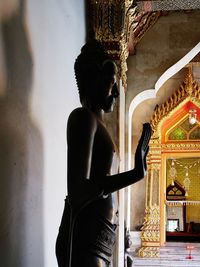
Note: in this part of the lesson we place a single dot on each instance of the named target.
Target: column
(150, 235)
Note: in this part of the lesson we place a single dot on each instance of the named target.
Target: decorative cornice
(180, 147)
(111, 24)
(120, 24)
(189, 90)
(182, 202)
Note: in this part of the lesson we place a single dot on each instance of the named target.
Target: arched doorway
(140, 110)
(165, 117)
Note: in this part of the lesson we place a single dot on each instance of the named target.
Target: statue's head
(96, 76)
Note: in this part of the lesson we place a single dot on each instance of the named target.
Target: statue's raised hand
(121, 180)
(142, 151)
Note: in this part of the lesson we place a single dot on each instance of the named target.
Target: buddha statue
(87, 232)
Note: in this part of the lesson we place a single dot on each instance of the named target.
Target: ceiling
(148, 13)
(124, 23)
(147, 20)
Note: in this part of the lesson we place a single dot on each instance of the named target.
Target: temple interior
(161, 86)
(169, 104)
(156, 46)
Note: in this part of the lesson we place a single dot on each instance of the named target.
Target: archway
(151, 94)
(187, 97)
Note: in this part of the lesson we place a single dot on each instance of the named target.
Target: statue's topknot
(88, 65)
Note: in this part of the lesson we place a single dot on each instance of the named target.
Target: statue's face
(109, 92)
(101, 87)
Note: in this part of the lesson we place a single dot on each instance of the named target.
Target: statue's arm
(121, 180)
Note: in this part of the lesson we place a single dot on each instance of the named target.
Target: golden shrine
(173, 158)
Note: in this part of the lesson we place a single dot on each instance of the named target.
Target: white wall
(34, 106)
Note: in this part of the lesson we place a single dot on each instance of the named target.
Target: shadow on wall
(21, 156)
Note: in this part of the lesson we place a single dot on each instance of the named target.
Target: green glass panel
(177, 134)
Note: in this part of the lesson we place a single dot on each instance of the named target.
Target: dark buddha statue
(88, 228)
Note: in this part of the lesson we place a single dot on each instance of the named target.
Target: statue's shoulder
(82, 116)
(82, 113)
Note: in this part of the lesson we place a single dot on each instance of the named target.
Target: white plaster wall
(34, 106)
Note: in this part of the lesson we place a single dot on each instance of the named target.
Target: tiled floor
(173, 254)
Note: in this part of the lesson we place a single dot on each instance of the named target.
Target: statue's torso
(95, 225)
(105, 161)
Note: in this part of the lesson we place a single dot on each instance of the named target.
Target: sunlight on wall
(38, 43)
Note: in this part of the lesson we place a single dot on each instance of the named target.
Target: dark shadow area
(184, 239)
(21, 156)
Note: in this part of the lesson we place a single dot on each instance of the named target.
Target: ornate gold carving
(191, 147)
(150, 235)
(110, 21)
(182, 202)
(154, 158)
(151, 226)
(155, 142)
(149, 252)
(156, 165)
(189, 90)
